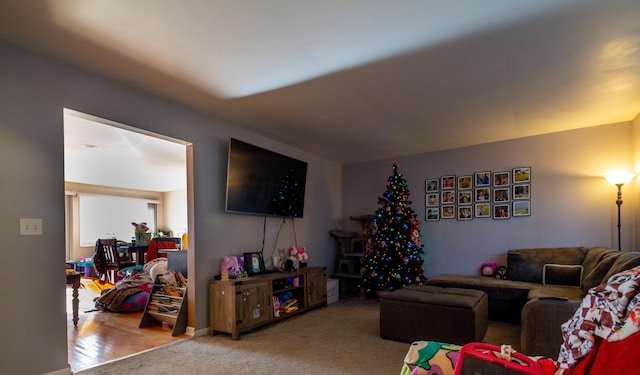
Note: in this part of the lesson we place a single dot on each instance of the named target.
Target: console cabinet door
(316, 288)
(253, 305)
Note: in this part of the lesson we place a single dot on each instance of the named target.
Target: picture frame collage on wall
(484, 194)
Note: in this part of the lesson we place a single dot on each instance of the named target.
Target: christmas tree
(393, 258)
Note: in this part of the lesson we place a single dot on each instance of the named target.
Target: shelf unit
(351, 247)
(239, 305)
(166, 304)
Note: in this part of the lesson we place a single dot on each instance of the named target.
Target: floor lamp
(619, 179)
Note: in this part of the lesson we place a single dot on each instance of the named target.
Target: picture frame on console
(254, 263)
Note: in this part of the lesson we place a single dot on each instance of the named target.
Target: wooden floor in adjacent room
(103, 336)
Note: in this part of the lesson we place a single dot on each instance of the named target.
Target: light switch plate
(30, 226)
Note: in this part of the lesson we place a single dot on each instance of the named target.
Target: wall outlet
(30, 226)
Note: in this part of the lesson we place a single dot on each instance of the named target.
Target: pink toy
(300, 254)
(489, 268)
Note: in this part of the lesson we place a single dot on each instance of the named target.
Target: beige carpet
(342, 338)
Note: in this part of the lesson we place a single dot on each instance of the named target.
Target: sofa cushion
(596, 275)
(562, 274)
(555, 291)
(527, 264)
(593, 257)
(624, 261)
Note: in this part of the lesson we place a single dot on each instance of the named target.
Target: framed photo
(432, 214)
(447, 197)
(465, 182)
(482, 178)
(448, 212)
(521, 174)
(501, 179)
(501, 211)
(447, 182)
(432, 185)
(521, 191)
(482, 210)
(522, 208)
(254, 263)
(433, 199)
(482, 194)
(464, 197)
(501, 195)
(464, 213)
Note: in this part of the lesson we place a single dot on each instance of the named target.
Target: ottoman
(434, 313)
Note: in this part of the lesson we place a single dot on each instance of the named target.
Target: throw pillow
(562, 274)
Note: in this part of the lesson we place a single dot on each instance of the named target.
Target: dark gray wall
(33, 92)
(571, 203)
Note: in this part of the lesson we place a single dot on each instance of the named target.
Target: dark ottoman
(433, 313)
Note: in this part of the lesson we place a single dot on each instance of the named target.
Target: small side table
(73, 278)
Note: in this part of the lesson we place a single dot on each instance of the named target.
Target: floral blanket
(430, 357)
(609, 311)
(130, 293)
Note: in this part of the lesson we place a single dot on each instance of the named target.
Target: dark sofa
(543, 289)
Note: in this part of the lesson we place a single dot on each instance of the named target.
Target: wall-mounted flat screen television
(263, 182)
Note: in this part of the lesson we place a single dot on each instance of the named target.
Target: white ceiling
(359, 80)
(101, 152)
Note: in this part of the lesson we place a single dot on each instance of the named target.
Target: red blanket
(610, 357)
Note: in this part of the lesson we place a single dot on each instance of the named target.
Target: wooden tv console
(238, 305)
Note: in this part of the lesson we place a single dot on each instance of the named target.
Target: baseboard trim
(62, 371)
(200, 332)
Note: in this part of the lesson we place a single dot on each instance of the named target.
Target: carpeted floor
(342, 338)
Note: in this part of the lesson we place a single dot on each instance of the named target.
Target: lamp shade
(620, 178)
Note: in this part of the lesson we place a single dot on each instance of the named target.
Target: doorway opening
(147, 177)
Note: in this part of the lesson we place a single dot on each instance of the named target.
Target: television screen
(263, 182)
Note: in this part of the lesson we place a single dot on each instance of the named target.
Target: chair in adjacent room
(107, 261)
(161, 243)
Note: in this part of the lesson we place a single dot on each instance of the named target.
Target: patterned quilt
(609, 311)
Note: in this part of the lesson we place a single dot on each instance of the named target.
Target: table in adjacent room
(73, 278)
(140, 251)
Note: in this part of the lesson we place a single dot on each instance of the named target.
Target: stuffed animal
(505, 352)
(501, 273)
(299, 253)
(489, 268)
(141, 227)
(233, 266)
